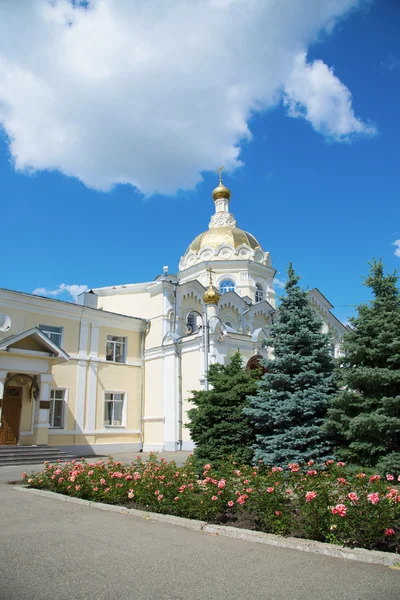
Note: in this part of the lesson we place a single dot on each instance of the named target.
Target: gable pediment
(33, 341)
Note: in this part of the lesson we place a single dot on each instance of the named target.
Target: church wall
(191, 373)
(154, 405)
(142, 305)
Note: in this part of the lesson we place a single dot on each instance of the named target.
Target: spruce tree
(364, 417)
(217, 424)
(291, 402)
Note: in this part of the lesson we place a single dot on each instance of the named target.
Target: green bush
(327, 503)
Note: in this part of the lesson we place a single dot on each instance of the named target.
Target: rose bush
(326, 503)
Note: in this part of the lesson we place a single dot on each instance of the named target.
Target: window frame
(47, 333)
(259, 291)
(52, 404)
(222, 285)
(114, 343)
(123, 401)
(192, 316)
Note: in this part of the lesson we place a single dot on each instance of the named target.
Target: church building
(115, 370)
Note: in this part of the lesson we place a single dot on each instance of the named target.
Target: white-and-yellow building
(115, 370)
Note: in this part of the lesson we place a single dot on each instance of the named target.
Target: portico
(25, 378)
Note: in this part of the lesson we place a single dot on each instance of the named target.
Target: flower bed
(326, 503)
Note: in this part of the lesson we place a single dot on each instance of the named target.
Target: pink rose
(277, 512)
(276, 469)
(270, 490)
(77, 487)
(389, 531)
(230, 503)
(312, 472)
(242, 499)
(373, 498)
(339, 509)
(176, 498)
(341, 464)
(341, 480)
(214, 498)
(390, 477)
(160, 497)
(353, 497)
(221, 483)
(310, 496)
(360, 476)
(374, 478)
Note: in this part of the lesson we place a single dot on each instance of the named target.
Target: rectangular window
(53, 333)
(115, 350)
(57, 404)
(113, 409)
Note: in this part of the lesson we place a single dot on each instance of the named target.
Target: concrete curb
(388, 559)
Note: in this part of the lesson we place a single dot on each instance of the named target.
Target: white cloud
(391, 63)
(279, 283)
(153, 93)
(397, 251)
(316, 94)
(71, 291)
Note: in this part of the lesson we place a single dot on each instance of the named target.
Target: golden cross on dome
(220, 174)
(211, 272)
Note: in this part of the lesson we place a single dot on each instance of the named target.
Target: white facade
(176, 359)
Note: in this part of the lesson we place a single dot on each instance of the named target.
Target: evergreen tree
(217, 424)
(293, 395)
(364, 417)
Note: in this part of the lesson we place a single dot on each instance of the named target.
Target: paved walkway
(51, 549)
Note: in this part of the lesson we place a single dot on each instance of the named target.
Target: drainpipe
(142, 348)
(180, 401)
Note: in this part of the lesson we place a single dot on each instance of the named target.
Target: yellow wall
(69, 375)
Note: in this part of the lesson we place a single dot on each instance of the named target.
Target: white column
(170, 385)
(41, 419)
(81, 381)
(3, 375)
(92, 383)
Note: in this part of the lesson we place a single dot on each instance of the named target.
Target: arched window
(227, 285)
(259, 293)
(172, 321)
(191, 323)
(229, 324)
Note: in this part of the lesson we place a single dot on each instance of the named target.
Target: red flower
(374, 478)
(389, 531)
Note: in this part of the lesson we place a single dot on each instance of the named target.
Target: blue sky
(328, 206)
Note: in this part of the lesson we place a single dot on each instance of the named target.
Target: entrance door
(10, 415)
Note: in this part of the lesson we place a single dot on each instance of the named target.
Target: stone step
(20, 455)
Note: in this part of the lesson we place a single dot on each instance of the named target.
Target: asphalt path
(59, 550)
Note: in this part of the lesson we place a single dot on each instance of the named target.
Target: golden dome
(217, 236)
(211, 296)
(221, 191)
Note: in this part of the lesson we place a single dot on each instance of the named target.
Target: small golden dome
(221, 191)
(211, 296)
